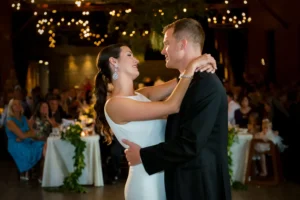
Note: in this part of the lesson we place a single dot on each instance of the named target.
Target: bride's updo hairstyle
(103, 78)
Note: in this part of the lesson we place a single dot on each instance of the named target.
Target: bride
(138, 115)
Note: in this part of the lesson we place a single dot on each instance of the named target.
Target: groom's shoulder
(204, 80)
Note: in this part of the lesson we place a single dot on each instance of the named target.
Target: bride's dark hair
(102, 79)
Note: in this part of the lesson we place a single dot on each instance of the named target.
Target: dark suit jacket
(194, 154)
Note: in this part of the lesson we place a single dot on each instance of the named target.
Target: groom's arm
(191, 139)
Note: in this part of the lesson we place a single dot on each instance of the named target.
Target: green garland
(232, 138)
(72, 134)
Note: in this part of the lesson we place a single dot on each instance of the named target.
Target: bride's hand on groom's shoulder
(132, 153)
(203, 63)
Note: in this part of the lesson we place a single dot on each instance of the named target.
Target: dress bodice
(143, 133)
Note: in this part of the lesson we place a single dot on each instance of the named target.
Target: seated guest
(232, 107)
(254, 123)
(56, 110)
(241, 116)
(40, 122)
(267, 134)
(73, 104)
(25, 151)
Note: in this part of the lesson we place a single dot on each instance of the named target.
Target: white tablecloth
(59, 162)
(240, 152)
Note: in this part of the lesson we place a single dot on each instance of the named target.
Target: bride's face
(127, 63)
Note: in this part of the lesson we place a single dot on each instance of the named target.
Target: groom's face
(172, 49)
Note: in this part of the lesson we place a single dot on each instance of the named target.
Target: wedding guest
(267, 134)
(241, 116)
(40, 122)
(25, 151)
(232, 107)
(56, 110)
(254, 123)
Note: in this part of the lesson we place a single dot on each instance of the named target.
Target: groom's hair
(189, 28)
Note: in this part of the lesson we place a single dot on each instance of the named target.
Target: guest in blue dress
(25, 151)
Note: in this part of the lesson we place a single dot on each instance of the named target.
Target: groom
(194, 154)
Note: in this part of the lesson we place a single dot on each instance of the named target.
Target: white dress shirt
(232, 107)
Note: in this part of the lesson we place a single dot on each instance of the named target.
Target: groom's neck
(187, 59)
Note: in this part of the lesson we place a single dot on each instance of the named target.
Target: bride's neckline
(136, 94)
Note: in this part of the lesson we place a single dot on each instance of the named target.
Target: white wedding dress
(139, 185)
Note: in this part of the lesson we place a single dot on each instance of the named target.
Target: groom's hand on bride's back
(132, 153)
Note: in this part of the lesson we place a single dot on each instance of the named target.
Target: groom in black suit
(194, 154)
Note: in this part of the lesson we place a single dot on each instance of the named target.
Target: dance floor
(12, 189)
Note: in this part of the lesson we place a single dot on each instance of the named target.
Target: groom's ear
(183, 44)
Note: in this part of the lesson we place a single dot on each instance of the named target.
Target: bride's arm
(123, 110)
(159, 92)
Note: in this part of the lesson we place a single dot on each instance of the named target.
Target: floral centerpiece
(87, 115)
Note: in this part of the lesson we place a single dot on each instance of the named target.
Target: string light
(234, 20)
(78, 3)
(112, 13)
(128, 10)
(17, 6)
(220, 18)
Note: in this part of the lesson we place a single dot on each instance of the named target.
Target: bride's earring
(115, 74)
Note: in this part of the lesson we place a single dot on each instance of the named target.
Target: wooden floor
(12, 189)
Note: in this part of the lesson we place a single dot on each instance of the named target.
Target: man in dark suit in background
(194, 154)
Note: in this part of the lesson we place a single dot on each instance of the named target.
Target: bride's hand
(202, 63)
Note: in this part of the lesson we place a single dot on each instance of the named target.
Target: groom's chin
(168, 66)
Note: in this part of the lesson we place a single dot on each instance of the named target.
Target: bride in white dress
(138, 116)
